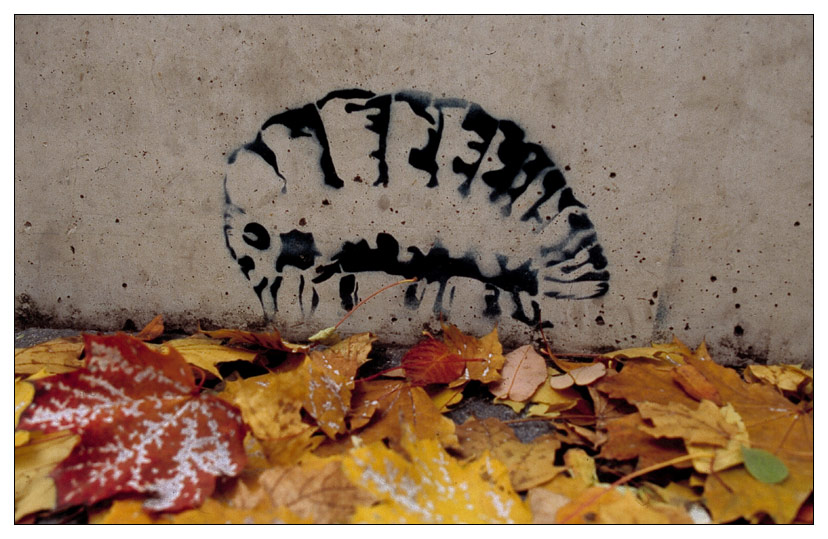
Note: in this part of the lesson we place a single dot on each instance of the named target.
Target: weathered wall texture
(621, 179)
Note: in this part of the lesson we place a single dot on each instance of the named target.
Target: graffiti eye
(256, 236)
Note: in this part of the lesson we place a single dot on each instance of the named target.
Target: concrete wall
(622, 179)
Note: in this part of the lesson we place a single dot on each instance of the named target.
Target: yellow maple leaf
(271, 403)
(23, 395)
(207, 353)
(433, 487)
(34, 489)
(446, 397)
(56, 356)
(486, 350)
(580, 474)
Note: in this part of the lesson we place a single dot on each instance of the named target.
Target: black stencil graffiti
(408, 185)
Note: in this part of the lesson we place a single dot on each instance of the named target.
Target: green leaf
(764, 466)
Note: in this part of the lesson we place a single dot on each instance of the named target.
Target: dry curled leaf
(152, 330)
(696, 385)
(529, 464)
(713, 435)
(581, 376)
(257, 340)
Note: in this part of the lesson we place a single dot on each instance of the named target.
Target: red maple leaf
(431, 362)
(144, 428)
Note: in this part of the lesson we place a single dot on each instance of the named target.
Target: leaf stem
(383, 289)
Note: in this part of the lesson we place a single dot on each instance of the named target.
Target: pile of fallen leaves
(244, 427)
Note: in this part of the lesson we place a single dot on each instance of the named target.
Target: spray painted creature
(408, 185)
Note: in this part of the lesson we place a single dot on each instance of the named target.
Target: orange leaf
(388, 407)
(152, 330)
(643, 380)
(484, 355)
(266, 341)
(432, 362)
(627, 440)
(695, 384)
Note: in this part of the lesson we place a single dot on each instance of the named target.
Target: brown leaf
(317, 489)
(696, 385)
(261, 340)
(153, 330)
(643, 380)
(602, 505)
(544, 505)
(626, 439)
(524, 370)
(332, 371)
(715, 435)
(476, 436)
(774, 424)
(529, 465)
(392, 406)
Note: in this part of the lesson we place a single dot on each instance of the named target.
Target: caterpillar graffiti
(408, 185)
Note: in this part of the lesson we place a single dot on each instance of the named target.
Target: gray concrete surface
(687, 141)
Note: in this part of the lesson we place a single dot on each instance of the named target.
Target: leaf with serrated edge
(714, 434)
(433, 487)
(271, 403)
(391, 406)
(56, 356)
(143, 429)
(485, 355)
(267, 341)
(331, 381)
(207, 353)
